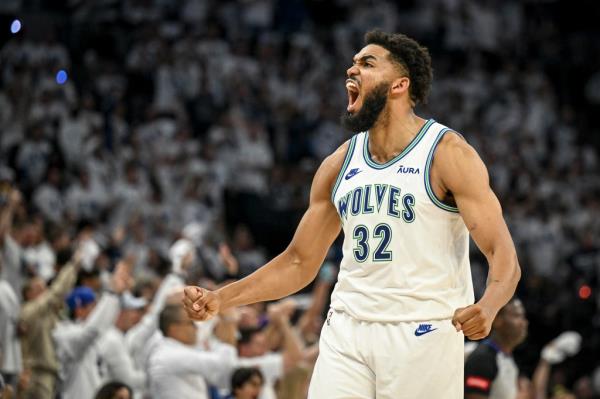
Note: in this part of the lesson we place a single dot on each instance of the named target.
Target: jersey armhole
(347, 159)
(436, 201)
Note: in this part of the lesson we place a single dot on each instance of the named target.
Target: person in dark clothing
(490, 370)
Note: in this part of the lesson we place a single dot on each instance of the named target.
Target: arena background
(148, 115)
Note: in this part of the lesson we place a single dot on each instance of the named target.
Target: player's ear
(400, 85)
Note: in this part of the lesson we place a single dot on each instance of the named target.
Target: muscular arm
(463, 174)
(296, 266)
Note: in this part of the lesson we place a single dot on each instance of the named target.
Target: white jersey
(405, 253)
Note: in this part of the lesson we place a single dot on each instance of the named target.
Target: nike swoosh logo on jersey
(424, 329)
(352, 173)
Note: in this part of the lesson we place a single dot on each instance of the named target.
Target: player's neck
(392, 133)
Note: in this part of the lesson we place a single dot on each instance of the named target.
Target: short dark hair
(247, 333)
(84, 274)
(108, 390)
(411, 56)
(171, 314)
(243, 375)
(63, 256)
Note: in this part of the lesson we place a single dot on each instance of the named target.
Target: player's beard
(368, 114)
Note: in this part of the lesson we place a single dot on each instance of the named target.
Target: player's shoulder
(332, 164)
(338, 156)
(454, 155)
(453, 144)
(328, 172)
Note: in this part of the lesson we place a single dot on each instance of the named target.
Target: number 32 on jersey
(384, 200)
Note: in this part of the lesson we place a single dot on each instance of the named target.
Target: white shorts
(405, 360)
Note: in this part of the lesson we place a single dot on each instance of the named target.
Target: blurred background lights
(585, 291)
(61, 77)
(15, 26)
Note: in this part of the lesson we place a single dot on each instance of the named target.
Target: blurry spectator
(86, 199)
(90, 278)
(177, 368)
(254, 158)
(247, 254)
(129, 191)
(10, 302)
(11, 363)
(5, 391)
(76, 339)
(140, 336)
(246, 383)
(72, 135)
(38, 255)
(566, 344)
(253, 347)
(114, 390)
(116, 360)
(33, 156)
(490, 370)
(39, 316)
(195, 204)
(231, 265)
(311, 321)
(48, 198)
(11, 253)
(136, 245)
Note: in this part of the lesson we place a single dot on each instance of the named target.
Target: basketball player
(406, 191)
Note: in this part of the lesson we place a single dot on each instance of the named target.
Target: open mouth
(353, 95)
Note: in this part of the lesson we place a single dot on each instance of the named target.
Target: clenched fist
(201, 304)
(475, 321)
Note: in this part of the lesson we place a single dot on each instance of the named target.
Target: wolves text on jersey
(372, 198)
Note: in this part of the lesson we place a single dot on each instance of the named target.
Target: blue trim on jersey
(426, 176)
(349, 153)
(409, 147)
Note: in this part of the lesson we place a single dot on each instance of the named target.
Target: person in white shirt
(11, 252)
(85, 199)
(140, 336)
(10, 304)
(177, 368)
(11, 363)
(77, 339)
(33, 156)
(117, 363)
(48, 198)
(253, 349)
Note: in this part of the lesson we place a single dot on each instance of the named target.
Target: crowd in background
(181, 148)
